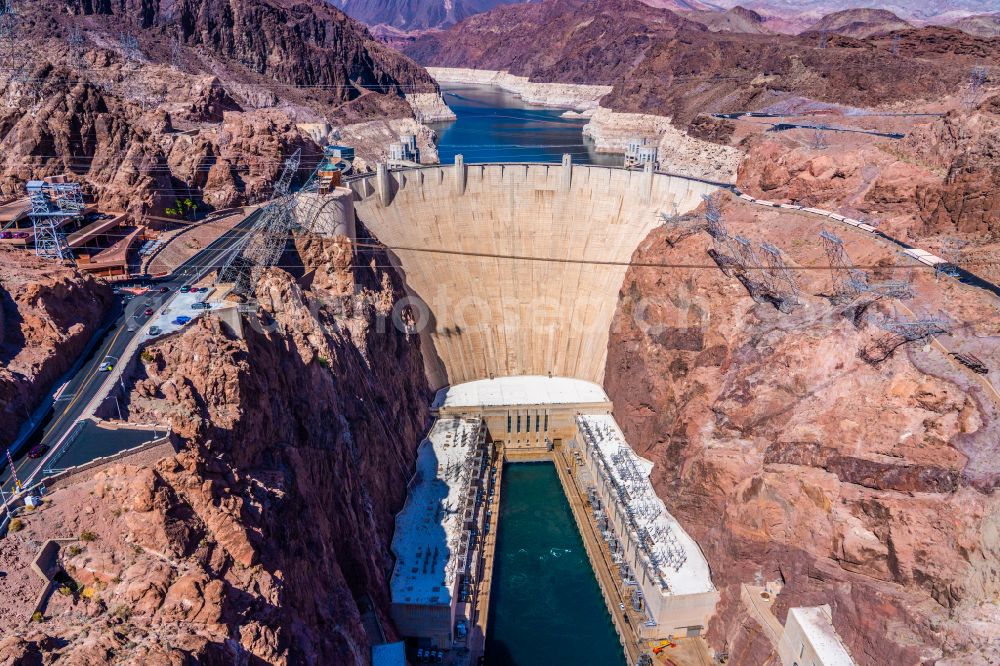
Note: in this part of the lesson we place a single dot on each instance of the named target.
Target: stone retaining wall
(145, 454)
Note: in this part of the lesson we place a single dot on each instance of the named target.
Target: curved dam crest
(537, 308)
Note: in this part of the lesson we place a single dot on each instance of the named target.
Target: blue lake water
(546, 608)
(496, 126)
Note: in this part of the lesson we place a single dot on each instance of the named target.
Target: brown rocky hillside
(196, 99)
(662, 63)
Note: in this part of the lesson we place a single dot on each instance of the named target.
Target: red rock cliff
(262, 541)
(48, 313)
(789, 458)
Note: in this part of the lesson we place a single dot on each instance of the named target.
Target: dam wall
(514, 269)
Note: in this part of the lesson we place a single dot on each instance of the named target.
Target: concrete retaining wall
(506, 311)
(46, 566)
(144, 454)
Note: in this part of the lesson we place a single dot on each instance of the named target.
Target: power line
(586, 262)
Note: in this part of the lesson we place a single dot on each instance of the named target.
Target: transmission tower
(679, 227)
(715, 225)
(848, 281)
(747, 257)
(818, 140)
(13, 60)
(77, 44)
(900, 289)
(977, 79)
(779, 275)
(51, 205)
(266, 240)
(898, 332)
(129, 43)
(175, 52)
(951, 251)
(285, 180)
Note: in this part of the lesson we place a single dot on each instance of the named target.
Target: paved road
(122, 328)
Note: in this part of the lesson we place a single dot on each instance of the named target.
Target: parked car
(155, 330)
(201, 305)
(180, 321)
(38, 451)
(148, 312)
(185, 289)
(203, 289)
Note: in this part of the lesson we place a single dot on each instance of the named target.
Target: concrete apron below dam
(653, 577)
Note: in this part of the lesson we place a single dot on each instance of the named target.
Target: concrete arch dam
(494, 258)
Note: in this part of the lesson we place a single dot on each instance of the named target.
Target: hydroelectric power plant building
(660, 569)
(435, 542)
(664, 568)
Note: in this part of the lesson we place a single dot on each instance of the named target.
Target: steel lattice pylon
(51, 205)
(914, 329)
(266, 240)
(748, 258)
(285, 179)
(11, 58)
(978, 76)
(848, 281)
(898, 332)
(891, 289)
(716, 227)
(129, 43)
(50, 243)
(779, 275)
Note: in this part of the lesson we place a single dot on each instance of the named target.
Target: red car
(38, 451)
(164, 290)
(148, 312)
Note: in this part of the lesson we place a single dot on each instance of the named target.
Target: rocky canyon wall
(266, 537)
(937, 188)
(150, 102)
(789, 458)
(48, 313)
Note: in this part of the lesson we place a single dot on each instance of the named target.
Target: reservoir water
(546, 608)
(494, 125)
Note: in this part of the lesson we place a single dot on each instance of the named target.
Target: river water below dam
(494, 125)
(546, 607)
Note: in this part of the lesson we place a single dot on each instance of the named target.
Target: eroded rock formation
(662, 63)
(938, 187)
(267, 536)
(789, 458)
(48, 314)
(204, 105)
